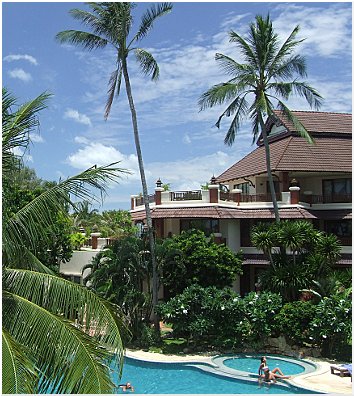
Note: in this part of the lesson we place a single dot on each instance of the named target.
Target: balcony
(327, 198)
(236, 197)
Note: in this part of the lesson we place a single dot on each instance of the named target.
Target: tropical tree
(111, 24)
(268, 75)
(57, 336)
(117, 274)
(298, 255)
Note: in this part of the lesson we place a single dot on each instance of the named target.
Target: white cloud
(76, 116)
(327, 29)
(16, 57)
(98, 154)
(35, 137)
(20, 74)
(187, 174)
(18, 152)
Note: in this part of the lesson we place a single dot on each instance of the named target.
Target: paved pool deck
(320, 380)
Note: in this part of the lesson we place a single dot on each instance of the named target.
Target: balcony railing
(186, 195)
(226, 196)
(140, 200)
(327, 198)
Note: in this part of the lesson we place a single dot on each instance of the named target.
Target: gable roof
(332, 151)
(320, 122)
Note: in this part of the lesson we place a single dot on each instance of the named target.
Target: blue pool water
(177, 378)
(251, 364)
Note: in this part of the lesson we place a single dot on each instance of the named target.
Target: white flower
(182, 306)
(235, 299)
(185, 311)
(324, 336)
(269, 300)
(311, 338)
(222, 308)
(272, 311)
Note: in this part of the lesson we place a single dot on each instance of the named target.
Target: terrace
(235, 197)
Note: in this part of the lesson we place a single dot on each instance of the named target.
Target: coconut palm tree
(268, 75)
(111, 25)
(57, 336)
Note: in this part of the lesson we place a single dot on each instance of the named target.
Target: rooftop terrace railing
(140, 200)
(186, 195)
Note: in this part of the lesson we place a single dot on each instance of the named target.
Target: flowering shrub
(261, 310)
(294, 320)
(201, 314)
(332, 325)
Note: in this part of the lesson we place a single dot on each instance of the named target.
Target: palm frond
(286, 69)
(88, 41)
(27, 225)
(233, 68)
(70, 361)
(218, 94)
(147, 63)
(246, 50)
(18, 370)
(286, 49)
(149, 18)
(313, 98)
(114, 85)
(300, 128)
(240, 106)
(17, 125)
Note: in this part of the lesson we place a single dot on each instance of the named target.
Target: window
(208, 226)
(337, 186)
(245, 187)
(342, 229)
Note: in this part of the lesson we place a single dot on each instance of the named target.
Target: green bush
(206, 314)
(331, 327)
(192, 258)
(294, 320)
(261, 309)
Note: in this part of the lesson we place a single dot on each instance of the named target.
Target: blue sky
(180, 144)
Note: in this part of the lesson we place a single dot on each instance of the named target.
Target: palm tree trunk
(269, 170)
(145, 194)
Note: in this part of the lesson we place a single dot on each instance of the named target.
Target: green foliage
(294, 320)
(118, 273)
(221, 317)
(78, 240)
(332, 325)
(261, 309)
(192, 258)
(298, 254)
(47, 320)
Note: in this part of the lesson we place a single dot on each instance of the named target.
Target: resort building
(312, 181)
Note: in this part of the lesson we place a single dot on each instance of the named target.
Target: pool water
(178, 378)
(252, 363)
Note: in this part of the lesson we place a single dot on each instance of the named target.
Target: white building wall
(79, 259)
(230, 229)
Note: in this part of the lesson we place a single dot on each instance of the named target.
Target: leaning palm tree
(57, 336)
(111, 25)
(268, 75)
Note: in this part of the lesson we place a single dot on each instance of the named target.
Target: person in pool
(276, 371)
(127, 386)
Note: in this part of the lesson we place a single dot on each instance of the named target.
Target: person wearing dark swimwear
(270, 375)
(127, 386)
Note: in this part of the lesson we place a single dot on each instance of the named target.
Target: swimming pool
(250, 364)
(185, 378)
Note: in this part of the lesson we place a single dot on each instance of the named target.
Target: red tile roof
(332, 151)
(322, 122)
(295, 154)
(213, 212)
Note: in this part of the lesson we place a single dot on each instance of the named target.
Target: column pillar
(236, 195)
(158, 191)
(213, 193)
(294, 195)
